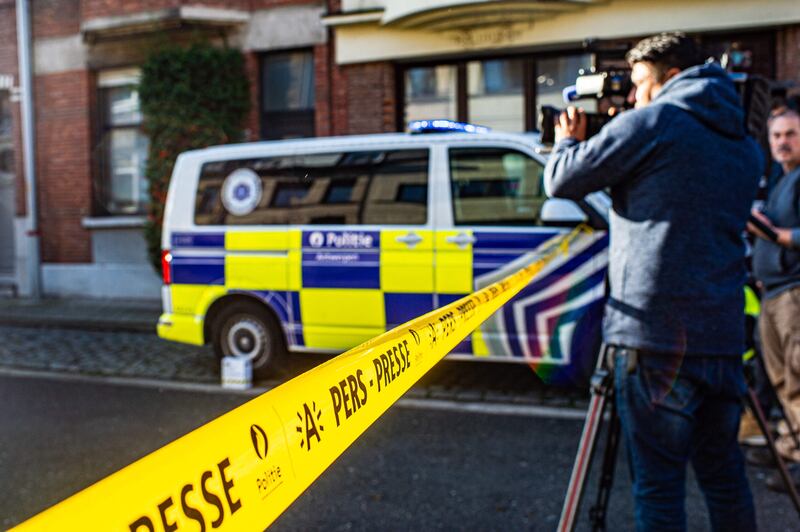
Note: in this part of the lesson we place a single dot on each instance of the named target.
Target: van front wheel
(245, 330)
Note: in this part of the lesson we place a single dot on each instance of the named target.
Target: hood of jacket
(707, 93)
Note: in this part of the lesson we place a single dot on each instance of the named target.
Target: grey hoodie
(683, 175)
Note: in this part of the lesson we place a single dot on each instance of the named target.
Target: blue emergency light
(441, 125)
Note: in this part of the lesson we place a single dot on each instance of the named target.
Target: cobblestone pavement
(144, 355)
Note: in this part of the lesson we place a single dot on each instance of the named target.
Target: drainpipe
(28, 146)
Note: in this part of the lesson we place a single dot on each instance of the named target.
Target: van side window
(495, 186)
(366, 187)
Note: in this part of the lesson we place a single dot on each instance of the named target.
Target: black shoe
(775, 480)
(760, 456)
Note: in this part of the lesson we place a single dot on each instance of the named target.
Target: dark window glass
(366, 187)
(412, 194)
(287, 103)
(495, 186)
(122, 153)
(340, 192)
(289, 194)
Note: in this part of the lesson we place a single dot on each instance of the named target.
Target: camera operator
(776, 265)
(683, 175)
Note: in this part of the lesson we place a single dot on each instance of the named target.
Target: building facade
(317, 68)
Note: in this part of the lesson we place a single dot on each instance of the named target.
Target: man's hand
(784, 235)
(571, 124)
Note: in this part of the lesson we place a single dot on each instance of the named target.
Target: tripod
(602, 392)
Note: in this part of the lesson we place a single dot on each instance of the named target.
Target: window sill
(113, 222)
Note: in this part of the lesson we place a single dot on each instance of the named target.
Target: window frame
(529, 92)
(453, 222)
(326, 150)
(106, 80)
(262, 122)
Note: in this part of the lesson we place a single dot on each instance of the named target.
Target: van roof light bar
(441, 125)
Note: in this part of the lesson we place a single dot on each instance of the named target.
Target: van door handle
(411, 239)
(462, 239)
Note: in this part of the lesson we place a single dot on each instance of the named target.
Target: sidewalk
(85, 314)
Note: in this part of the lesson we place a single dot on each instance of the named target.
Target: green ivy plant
(191, 98)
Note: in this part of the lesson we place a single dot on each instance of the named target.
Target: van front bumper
(181, 328)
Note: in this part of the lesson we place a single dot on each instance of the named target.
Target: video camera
(593, 85)
(754, 91)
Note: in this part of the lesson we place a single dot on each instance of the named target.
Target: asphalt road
(414, 469)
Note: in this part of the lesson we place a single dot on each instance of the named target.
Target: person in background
(683, 175)
(776, 266)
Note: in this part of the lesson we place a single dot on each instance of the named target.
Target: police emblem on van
(316, 239)
(241, 192)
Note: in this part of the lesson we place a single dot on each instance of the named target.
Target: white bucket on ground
(237, 373)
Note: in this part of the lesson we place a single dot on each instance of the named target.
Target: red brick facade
(90, 9)
(63, 163)
(252, 126)
(787, 50)
(55, 18)
(370, 93)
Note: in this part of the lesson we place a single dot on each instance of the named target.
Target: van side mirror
(557, 211)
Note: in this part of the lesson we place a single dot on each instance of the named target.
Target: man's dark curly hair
(665, 51)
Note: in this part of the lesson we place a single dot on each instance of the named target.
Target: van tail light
(166, 266)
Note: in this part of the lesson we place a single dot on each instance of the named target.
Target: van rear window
(382, 187)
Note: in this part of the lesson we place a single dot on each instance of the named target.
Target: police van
(317, 245)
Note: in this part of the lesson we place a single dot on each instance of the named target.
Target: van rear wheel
(245, 330)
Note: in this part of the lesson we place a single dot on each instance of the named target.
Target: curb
(79, 324)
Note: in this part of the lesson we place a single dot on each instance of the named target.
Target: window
(501, 93)
(496, 94)
(495, 186)
(365, 187)
(430, 93)
(121, 186)
(287, 102)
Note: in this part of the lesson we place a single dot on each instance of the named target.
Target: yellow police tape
(243, 469)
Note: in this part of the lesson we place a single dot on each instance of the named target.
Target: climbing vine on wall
(191, 98)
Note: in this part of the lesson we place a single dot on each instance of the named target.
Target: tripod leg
(598, 512)
(583, 460)
(600, 388)
(762, 423)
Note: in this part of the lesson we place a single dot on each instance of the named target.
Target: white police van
(320, 244)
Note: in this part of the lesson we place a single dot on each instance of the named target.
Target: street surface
(414, 469)
(144, 355)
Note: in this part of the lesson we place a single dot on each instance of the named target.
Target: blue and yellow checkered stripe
(326, 298)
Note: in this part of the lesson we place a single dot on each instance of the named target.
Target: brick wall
(370, 93)
(64, 184)
(322, 90)
(787, 48)
(114, 8)
(55, 18)
(252, 122)
(266, 4)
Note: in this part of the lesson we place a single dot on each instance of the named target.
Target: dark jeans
(673, 413)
